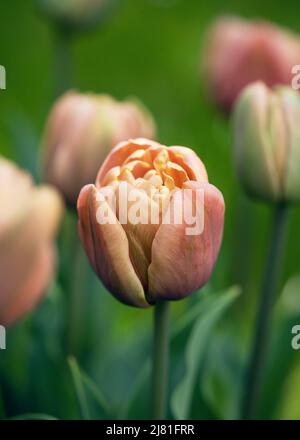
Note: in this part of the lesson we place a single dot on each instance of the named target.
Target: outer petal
(183, 263)
(189, 160)
(31, 290)
(107, 248)
(34, 227)
(291, 111)
(255, 130)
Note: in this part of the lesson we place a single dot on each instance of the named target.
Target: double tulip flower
(142, 263)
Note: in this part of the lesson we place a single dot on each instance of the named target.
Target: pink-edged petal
(188, 159)
(32, 288)
(108, 250)
(183, 263)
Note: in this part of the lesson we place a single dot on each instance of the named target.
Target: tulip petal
(254, 151)
(119, 155)
(108, 250)
(31, 290)
(190, 162)
(183, 263)
(291, 112)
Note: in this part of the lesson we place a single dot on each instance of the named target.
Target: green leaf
(33, 416)
(79, 388)
(138, 390)
(2, 407)
(83, 384)
(212, 310)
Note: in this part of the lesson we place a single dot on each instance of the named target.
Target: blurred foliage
(150, 49)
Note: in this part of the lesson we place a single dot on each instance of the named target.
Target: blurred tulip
(238, 52)
(75, 13)
(81, 130)
(267, 142)
(28, 222)
(142, 263)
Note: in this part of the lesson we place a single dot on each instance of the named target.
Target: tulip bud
(74, 13)
(141, 258)
(238, 52)
(80, 132)
(28, 222)
(267, 142)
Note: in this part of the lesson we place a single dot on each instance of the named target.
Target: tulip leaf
(2, 407)
(211, 312)
(84, 385)
(33, 416)
(79, 388)
(138, 391)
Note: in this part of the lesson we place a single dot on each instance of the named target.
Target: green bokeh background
(150, 49)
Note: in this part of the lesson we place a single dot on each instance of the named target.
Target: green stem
(160, 359)
(254, 377)
(76, 301)
(63, 60)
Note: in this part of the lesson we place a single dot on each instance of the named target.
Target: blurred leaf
(100, 399)
(289, 408)
(211, 312)
(2, 408)
(33, 416)
(137, 397)
(222, 372)
(25, 142)
(83, 386)
(79, 388)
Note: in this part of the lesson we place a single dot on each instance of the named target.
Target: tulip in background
(29, 219)
(146, 264)
(267, 158)
(267, 142)
(74, 14)
(68, 19)
(81, 131)
(238, 52)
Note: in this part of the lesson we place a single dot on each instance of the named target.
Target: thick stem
(254, 377)
(160, 359)
(63, 60)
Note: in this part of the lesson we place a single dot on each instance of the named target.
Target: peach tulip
(28, 222)
(238, 52)
(143, 262)
(80, 132)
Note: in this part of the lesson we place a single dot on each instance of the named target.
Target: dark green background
(152, 50)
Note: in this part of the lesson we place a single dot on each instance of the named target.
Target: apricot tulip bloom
(238, 52)
(141, 263)
(80, 132)
(28, 222)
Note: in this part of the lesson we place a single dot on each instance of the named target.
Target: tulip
(74, 13)
(142, 263)
(267, 157)
(29, 219)
(80, 132)
(267, 142)
(238, 52)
